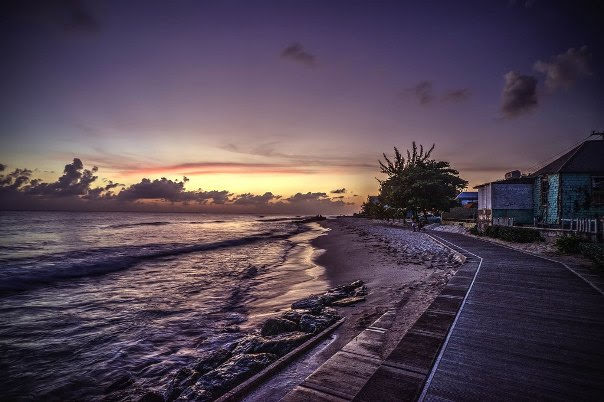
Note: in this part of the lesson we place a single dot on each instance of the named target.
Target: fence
(503, 221)
(580, 225)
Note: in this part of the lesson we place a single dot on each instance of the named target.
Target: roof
(517, 180)
(470, 195)
(588, 157)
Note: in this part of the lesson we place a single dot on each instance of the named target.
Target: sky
(282, 106)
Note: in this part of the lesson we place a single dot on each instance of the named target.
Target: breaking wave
(28, 273)
(133, 225)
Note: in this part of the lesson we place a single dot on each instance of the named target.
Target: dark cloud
(563, 70)
(300, 197)
(296, 52)
(75, 181)
(456, 95)
(251, 199)
(2, 167)
(75, 190)
(70, 15)
(423, 91)
(311, 202)
(525, 3)
(79, 17)
(172, 191)
(338, 197)
(15, 180)
(338, 191)
(103, 192)
(519, 94)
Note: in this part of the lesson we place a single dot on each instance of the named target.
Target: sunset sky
(287, 97)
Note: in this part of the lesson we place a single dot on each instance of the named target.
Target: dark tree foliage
(416, 184)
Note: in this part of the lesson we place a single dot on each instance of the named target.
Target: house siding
(506, 200)
(576, 190)
(521, 216)
(512, 196)
(552, 199)
(537, 209)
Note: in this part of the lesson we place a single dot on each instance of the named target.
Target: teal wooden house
(572, 186)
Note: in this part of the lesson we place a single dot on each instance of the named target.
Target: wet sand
(393, 262)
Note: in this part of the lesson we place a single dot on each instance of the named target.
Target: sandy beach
(402, 269)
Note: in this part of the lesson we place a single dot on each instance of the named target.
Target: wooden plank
(530, 329)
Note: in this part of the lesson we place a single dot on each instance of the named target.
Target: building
(510, 198)
(572, 186)
(467, 197)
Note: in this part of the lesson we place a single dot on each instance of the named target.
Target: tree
(418, 184)
(373, 208)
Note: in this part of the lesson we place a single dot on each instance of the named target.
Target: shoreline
(359, 249)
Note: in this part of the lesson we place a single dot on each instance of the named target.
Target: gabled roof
(515, 180)
(588, 157)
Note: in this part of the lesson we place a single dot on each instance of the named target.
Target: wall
(512, 196)
(484, 197)
(521, 216)
(576, 188)
(537, 210)
(552, 198)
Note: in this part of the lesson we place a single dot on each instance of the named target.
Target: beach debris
(276, 326)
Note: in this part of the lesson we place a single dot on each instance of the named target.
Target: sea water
(88, 299)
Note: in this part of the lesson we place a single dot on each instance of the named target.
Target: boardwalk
(529, 329)
(508, 326)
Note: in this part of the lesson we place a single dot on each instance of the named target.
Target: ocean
(91, 299)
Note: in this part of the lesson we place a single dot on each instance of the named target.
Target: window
(597, 190)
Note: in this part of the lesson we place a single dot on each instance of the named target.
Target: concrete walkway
(507, 326)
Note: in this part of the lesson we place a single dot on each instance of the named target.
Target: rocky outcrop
(309, 303)
(348, 301)
(352, 293)
(234, 371)
(277, 326)
(219, 371)
(312, 323)
(278, 345)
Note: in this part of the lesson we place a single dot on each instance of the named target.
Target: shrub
(594, 252)
(513, 234)
(569, 244)
(475, 231)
